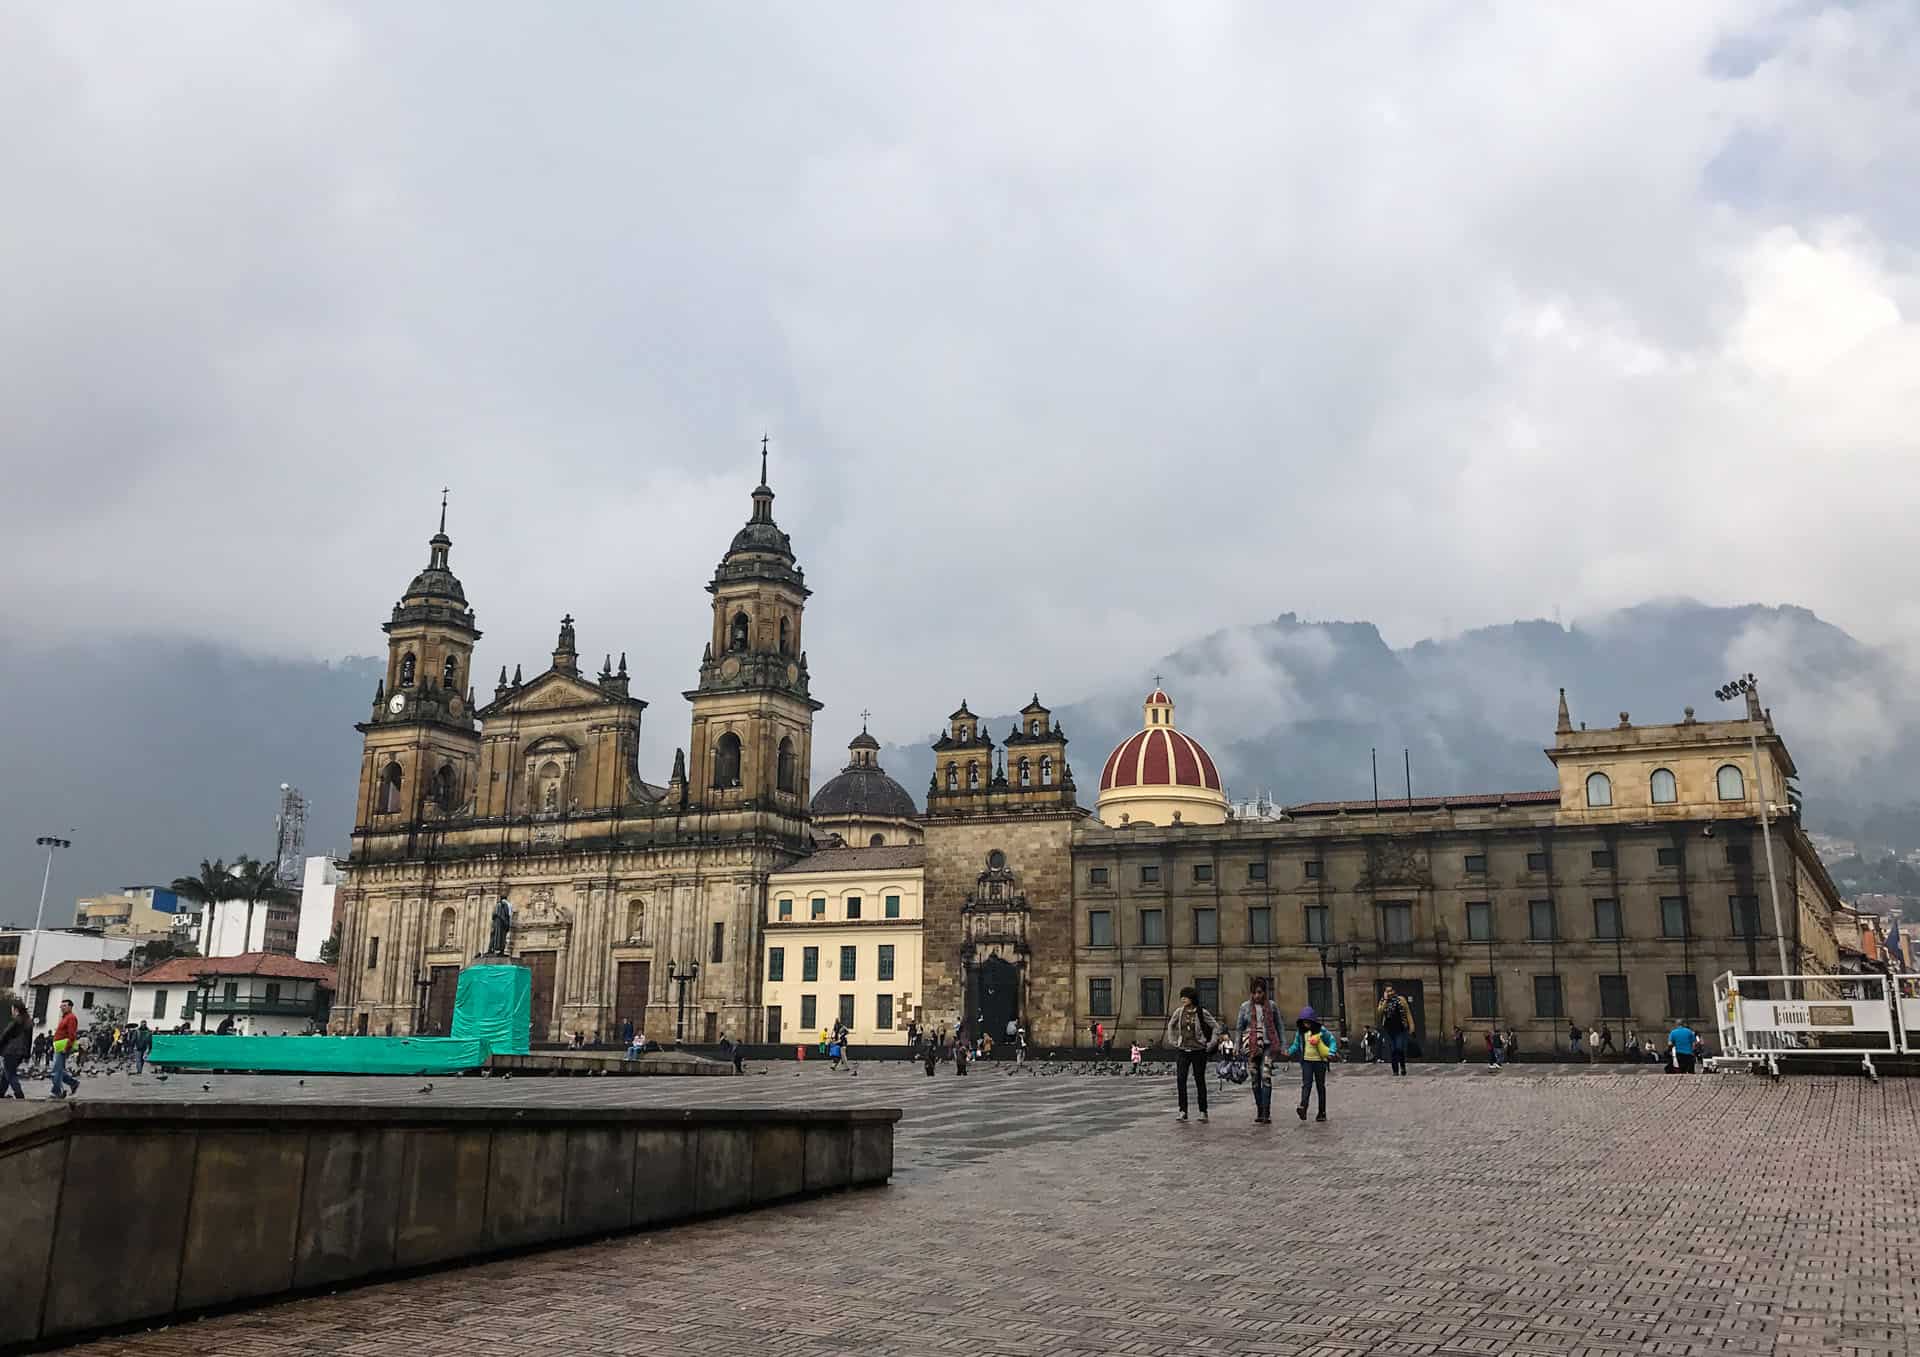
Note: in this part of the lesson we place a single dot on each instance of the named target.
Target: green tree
(258, 883)
(158, 950)
(330, 949)
(213, 887)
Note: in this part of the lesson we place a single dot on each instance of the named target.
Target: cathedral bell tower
(421, 744)
(752, 743)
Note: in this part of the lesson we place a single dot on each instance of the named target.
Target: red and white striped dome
(1159, 755)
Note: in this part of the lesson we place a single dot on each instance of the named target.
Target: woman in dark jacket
(16, 1040)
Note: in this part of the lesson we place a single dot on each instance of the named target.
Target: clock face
(398, 703)
(453, 705)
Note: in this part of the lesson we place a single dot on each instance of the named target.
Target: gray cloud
(1077, 337)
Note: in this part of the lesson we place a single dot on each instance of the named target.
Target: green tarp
(494, 1005)
(319, 1055)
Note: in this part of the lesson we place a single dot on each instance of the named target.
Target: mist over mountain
(151, 754)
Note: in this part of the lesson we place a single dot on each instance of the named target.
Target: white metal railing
(1763, 1019)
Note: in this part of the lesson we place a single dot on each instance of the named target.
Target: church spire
(1564, 723)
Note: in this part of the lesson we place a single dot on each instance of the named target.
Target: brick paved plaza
(1452, 1212)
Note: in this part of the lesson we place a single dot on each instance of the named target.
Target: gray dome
(864, 790)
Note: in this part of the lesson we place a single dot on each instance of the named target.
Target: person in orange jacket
(65, 1034)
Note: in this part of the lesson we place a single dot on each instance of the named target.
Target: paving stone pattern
(1444, 1213)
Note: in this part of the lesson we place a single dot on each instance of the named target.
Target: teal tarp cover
(320, 1055)
(494, 1006)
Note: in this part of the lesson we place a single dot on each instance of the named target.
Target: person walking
(1459, 1045)
(65, 1033)
(1573, 1038)
(1259, 1029)
(1496, 1049)
(1683, 1039)
(1593, 1044)
(1315, 1046)
(142, 1043)
(1192, 1032)
(16, 1040)
(1020, 1046)
(929, 1052)
(1396, 1020)
(1606, 1039)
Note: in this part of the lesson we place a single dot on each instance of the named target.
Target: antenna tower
(290, 836)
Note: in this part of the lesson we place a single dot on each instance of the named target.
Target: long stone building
(536, 797)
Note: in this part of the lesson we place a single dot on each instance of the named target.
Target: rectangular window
(1099, 928)
(773, 1023)
(1149, 875)
(1546, 996)
(1206, 928)
(1739, 855)
(373, 953)
(809, 967)
(1256, 871)
(886, 961)
(1745, 910)
(817, 907)
(1486, 996)
(1536, 862)
(1613, 996)
(719, 952)
(193, 997)
(86, 1000)
(1100, 997)
(1153, 997)
(1673, 916)
(1683, 997)
(1603, 857)
(1320, 994)
(1319, 931)
(1096, 876)
(273, 993)
(776, 963)
(1669, 857)
(159, 1003)
(1476, 864)
(893, 907)
(853, 906)
(849, 963)
(883, 1013)
(1480, 921)
(1313, 870)
(808, 1013)
(1540, 921)
(1396, 925)
(230, 991)
(1259, 925)
(786, 911)
(1202, 871)
(1153, 928)
(846, 1012)
(1209, 987)
(1606, 919)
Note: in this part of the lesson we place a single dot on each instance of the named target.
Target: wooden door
(446, 982)
(541, 966)
(630, 985)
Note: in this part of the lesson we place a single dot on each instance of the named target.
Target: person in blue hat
(1315, 1046)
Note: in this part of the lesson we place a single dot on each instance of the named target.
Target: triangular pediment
(554, 691)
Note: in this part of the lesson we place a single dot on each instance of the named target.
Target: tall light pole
(1747, 689)
(22, 978)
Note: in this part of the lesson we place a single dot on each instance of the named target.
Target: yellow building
(1160, 777)
(138, 912)
(842, 939)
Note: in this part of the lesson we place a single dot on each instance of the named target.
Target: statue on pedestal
(502, 925)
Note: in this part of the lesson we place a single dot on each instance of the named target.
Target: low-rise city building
(842, 938)
(97, 991)
(262, 993)
(142, 913)
(29, 951)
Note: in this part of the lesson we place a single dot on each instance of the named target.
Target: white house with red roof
(260, 993)
(93, 986)
(1160, 777)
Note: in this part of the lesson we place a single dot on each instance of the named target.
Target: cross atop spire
(864, 715)
(443, 510)
(763, 459)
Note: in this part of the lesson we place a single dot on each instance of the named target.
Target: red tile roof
(95, 973)
(1478, 801)
(271, 965)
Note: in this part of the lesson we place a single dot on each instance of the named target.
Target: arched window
(996, 861)
(953, 777)
(1664, 789)
(783, 636)
(737, 637)
(1732, 784)
(973, 775)
(406, 670)
(388, 799)
(1599, 790)
(1046, 770)
(785, 766)
(447, 926)
(549, 776)
(1033, 726)
(876, 841)
(450, 673)
(726, 761)
(445, 787)
(1026, 773)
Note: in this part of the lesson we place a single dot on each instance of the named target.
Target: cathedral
(620, 888)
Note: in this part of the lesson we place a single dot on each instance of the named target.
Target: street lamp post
(24, 976)
(681, 978)
(1748, 689)
(1344, 955)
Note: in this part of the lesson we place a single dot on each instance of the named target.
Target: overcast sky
(1079, 331)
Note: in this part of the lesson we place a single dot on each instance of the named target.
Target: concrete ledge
(609, 1062)
(194, 1206)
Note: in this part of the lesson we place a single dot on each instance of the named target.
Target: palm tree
(259, 883)
(209, 890)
